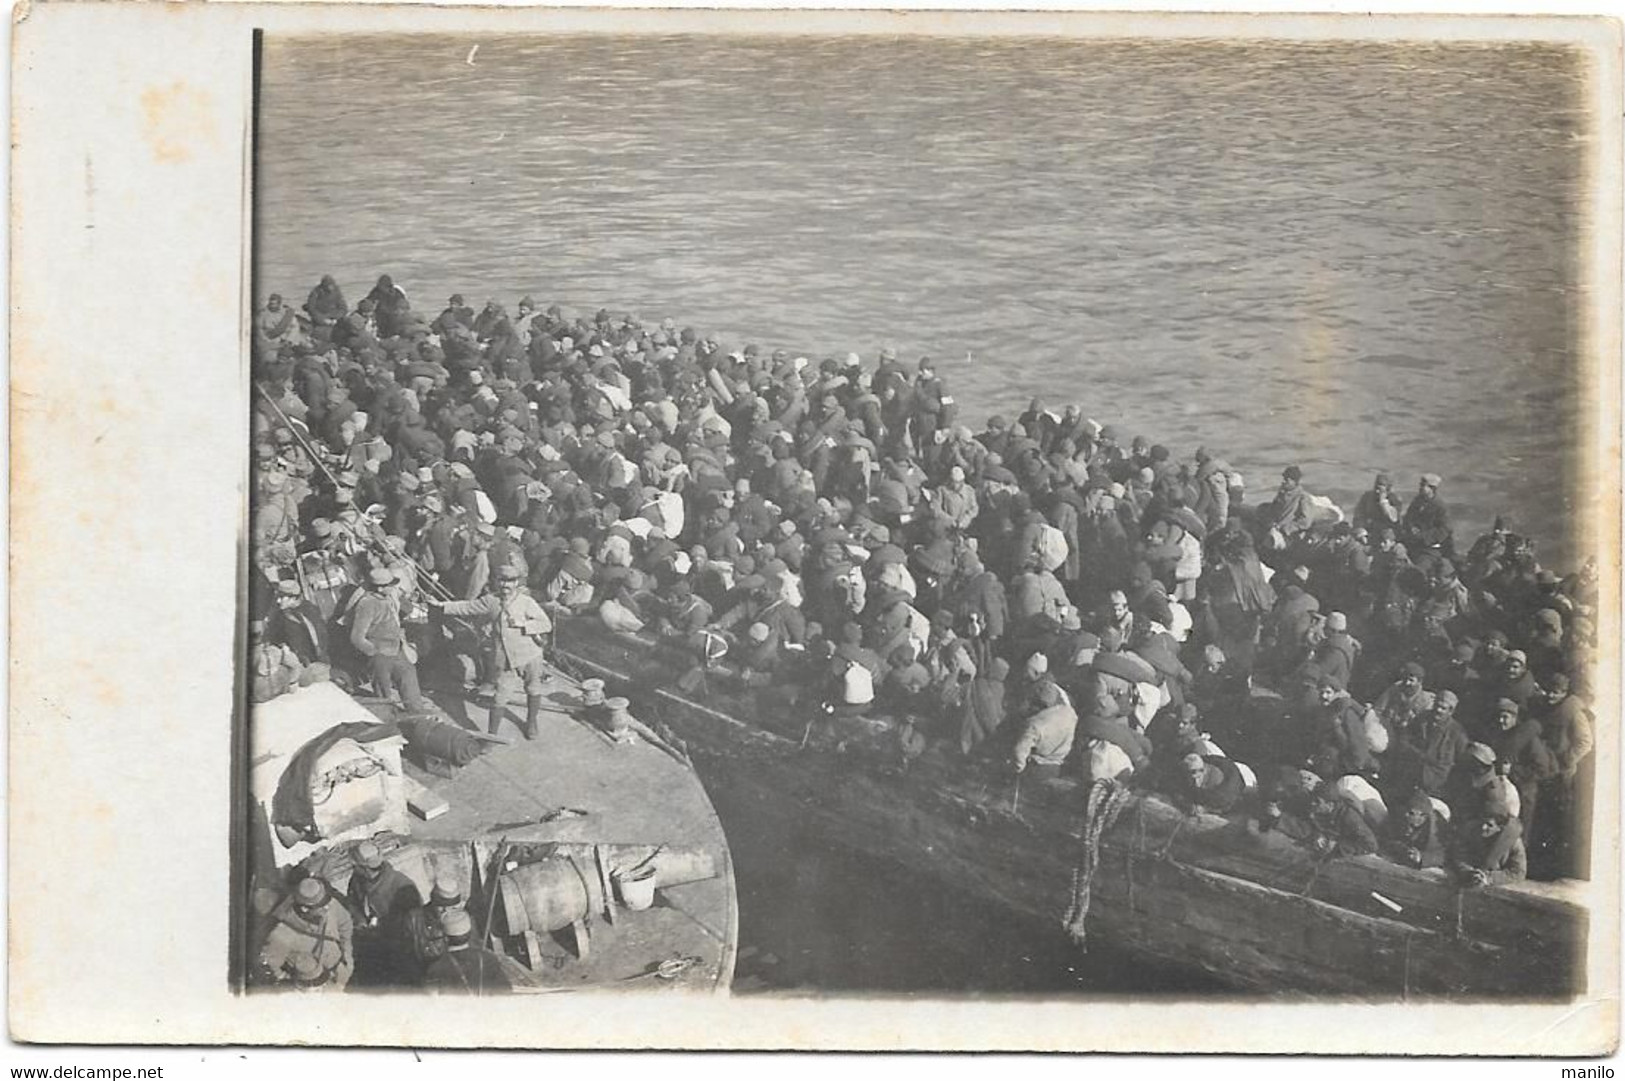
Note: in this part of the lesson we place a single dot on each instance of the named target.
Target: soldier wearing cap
(762, 601)
(1289, 512)
(294, 460)
(955, 501)
(274, 669)
(1405, 700)
(465, 969)
(757, 654)
(376, 633)
(305, 973)
(308, 923)
(424, 928)
(1423, 753)
(380, 898)
(1473, 779)
(275, 320)
(1426, 525)
(518, 626)
(1522, 755)
(446, 894)
(1515, 681)
(1345, 736)
(298, 624)
(1488, 848)
(276, 522)
(378, 893)
(457, 314)
(1379, 508)
(684, 615)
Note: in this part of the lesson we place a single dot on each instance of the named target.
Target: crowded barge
(1304, 747)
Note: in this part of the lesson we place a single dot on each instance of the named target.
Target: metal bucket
(636, 887)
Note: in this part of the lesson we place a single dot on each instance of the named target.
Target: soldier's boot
(533, 713)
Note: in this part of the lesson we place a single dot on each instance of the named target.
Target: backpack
(424, 935)
(1108, 762)
(1179, 621)
(1376, 733)
(1051, 547)
(620, 473)
(857, 685)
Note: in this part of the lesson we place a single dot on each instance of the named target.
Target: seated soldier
(903, 689)
(1333, 827)
(1208, 783)
(1046, 736)
(1117, 731)
(1476, 781)
(757, 655)
(1489, 849)
(1415, 837)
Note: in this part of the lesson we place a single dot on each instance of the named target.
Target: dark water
(814, 916)
(1352, 257)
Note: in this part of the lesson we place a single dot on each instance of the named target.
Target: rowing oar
(490, 909)
(423, 575)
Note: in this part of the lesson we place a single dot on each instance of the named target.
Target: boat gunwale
(1565, 921)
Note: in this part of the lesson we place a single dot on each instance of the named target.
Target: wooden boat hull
(1256, 910)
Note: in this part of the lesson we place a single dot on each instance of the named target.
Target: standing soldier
(517, 627)
(379, 898)
(1426, 525)
(379, 893)
(1522, 755)
(376, 633)
(308, 924)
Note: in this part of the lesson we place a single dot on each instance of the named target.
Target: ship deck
(632, 794)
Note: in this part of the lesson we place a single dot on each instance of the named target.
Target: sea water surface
(1349, 257)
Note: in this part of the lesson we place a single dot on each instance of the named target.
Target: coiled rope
(1106, 801)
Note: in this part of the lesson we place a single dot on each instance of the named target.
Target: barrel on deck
(555, 892)
(547, 896)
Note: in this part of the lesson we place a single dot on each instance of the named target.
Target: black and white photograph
(973, 531)
(1024, 516)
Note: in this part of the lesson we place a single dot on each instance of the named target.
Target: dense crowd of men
(1042, 596)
